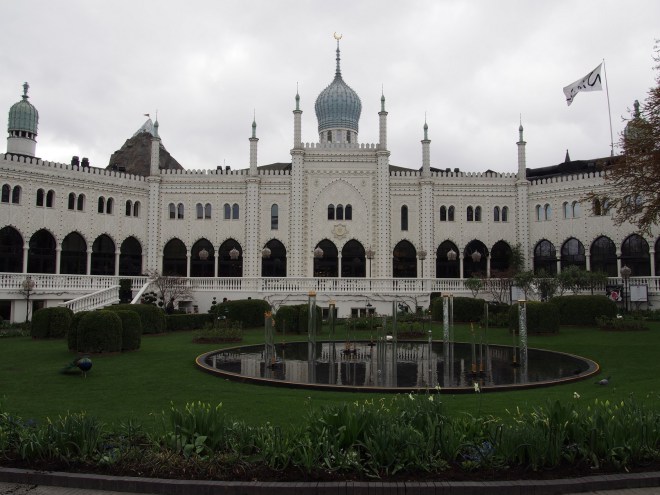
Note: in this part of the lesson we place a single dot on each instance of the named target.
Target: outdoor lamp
(233, 254)
(265, 253)
(451, 255)
(203, 254)
(476, 256)
(318, 253)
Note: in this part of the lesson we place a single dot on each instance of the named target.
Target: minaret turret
(154, 168)
(297, 126)
(253, 148)
(426, 152)
(522, 160)
(22, 127)
(382, 118)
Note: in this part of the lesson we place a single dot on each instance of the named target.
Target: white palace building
(337, 218)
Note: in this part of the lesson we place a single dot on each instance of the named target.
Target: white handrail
(95, 300)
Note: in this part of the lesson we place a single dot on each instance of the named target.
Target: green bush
(582, 310)
(125, 290)
(294, 319)
(51, 323)
(465, 309)
(131, 330)
(541, 318)
(620, 324)
(99, 331)
(176, 322)
(152, 317)
(72, 333)
(250, 312)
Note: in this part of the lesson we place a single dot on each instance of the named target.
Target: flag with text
(590, 82)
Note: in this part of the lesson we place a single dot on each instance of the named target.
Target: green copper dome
(338, 106)
(23, 116)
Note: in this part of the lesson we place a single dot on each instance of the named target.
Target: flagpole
(609, 110)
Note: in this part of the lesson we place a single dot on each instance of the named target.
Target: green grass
(141, 384)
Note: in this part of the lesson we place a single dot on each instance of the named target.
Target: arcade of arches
(74, 255)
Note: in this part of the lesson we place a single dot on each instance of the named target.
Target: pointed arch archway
(404, 260)
(545, 257)
(73, 258)
(326, 265)
(103, 256)
(228, 266)
(353, 260)
(475, 264)
(572, 254)
(202, 259)
(445, 267)
(11, 250)
(130, 257)
(603, 256)
(500, 259)
(41, 252)
(635, 255)
(274, 265)
(175, 261)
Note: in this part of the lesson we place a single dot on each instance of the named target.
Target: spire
(382, 100)
(254, 124)
(297, 99)
(426, 129)
(568, 158)
(156, 128)
(26, 86)
(338, 70)
(636, 113)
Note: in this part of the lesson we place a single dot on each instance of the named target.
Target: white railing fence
(95, 300)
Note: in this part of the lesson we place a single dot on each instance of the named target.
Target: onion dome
(637, 127)
(23, 116)
(338, 106)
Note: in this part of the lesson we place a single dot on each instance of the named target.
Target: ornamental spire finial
(338, 70)
(26, 86)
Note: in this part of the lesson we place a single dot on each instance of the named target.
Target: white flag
(590, 82)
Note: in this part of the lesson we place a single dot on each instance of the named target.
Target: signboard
(639, 293)
(614, 292)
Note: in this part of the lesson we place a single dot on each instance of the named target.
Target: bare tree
(633, 180)
(171, 289)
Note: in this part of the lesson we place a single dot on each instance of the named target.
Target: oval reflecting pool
(396, 366)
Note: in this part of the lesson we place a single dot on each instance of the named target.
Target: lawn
(141, 384)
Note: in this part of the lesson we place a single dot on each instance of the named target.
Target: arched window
(136, 209)
(41, 252)
(103, 256)
(81, 202)
(635, 255)
(475, 264)
(470, 214)
(477, 214)
(234, 211)
(72, 201)
(40, 197)
(538, 213)
(11, 250)
(50, 198)
(172, 210)
(202, 259)
(130, 257)
(328, 264)
(274, 265)
(200, 211)
(572, 254)
(576, 210)
(228, 266)
(603, 256)
(129, 208)
(73, 258)
(595, 207)
(207, 211)
(331, 212)
(109, 205)
(6, 191)
(353, 260)
(505, 213)
(496, 214)
(545, 257)
(444, 266)
(175, 262)
(179, 211)
(348, 212)
(450, 214)
(348, 140)
(443, 213)
(500, 259)
(329, 136)
(606, 207)
(404, 217)
(340, 212)
(16, 195)
(567, 210)
(404, 260)
(227, 208)
(101, 207)
(274, 217)
(547, 210)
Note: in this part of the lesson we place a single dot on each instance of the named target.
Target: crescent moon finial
(337, 36)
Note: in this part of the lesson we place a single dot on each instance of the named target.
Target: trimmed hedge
(99, 331)
(131, 330)
(192, 321)
(51, 323)
(465, 309)
(541, 318)
(250, 312)
(72, 333)
(294, 319)
(583, 310)
(152, 317)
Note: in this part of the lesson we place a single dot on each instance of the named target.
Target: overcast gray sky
(96, 67)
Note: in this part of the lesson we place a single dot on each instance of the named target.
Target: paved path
(18, 489)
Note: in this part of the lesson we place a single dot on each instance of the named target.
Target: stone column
(58, 259)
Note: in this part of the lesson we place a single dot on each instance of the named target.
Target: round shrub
(294, 318)
(541, 318)
(152, 317)
(131, 330)
(583, 310)
(99, 331)
(465, 309)
(72, 334)
(51, 323)
(250, 312)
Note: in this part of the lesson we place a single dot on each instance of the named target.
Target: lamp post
(422, 256)
(28, 287)
(370, 253)
(625, 274)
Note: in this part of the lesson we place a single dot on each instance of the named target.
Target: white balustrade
(95, 300)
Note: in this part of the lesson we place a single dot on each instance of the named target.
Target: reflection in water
(395, 364)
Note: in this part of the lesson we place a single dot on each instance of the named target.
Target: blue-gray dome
(23, 116)
(338, 106)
